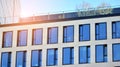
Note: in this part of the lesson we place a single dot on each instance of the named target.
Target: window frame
(34, 34)
(114, 22)
(38, 58)
(51, 38)
(87, 61)
(82, 25)
(71, 58)
(64, 35)
(104, 55)
(55, 57)
(18, 34)
(24, 58)
(9, 62)
(113, 52)
(96, 34)
(3, 45)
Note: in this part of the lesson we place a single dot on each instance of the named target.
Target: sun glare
(24, 14)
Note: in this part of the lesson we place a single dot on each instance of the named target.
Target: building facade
(9, 11)
(86, 42)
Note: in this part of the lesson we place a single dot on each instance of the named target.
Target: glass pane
(99, 53)
(102, 31)
(86, 32)
(21, 59)
(22, 38)
(72, 60)
(66, 56)
(116, 53)
(7, 39)
(83, 54)
(118, 29)
(35, 58)
(6, 59)
(37, 36)
(68, 34)
(53, 35)
(50, 57)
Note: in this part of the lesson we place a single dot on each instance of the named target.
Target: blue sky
(30, 7)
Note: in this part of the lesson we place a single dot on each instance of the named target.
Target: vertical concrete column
(44, 54)
(76, 43)
(45, 36)
(29, 37)
(60, 34)
(28, 58)
(60, 56)
(13, 58)
(14, 41)
(92, 44)
(1, 38)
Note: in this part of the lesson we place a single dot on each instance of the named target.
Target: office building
(78, 39)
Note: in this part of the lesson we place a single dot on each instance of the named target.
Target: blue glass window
(52, 35)
(37, 36)
(68, 35)
(84, 54)
(52, 57)
(7, 39)
(68, 55)
(101, 31)
(21, 59)
(84, 32)
(36, 58)
(116, 30)
(22, 38)
(6, 59)
(116, 53)
(101, 53)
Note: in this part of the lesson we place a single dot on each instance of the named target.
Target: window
(7, 39)
(68, 55)
(22, 38)
(52, 57)
(6, 59)
(52, 35)
(116, 53)
(36, 58)
(21, 59)
(101, 53)
(101, 31)
(84, 32)
(84, 54)
(37, 36)
(116, 30)
(68, 34)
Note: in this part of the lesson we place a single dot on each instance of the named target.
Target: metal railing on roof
(73, 14)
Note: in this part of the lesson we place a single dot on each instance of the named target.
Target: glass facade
(22, 38)
(21, 59)
(116, 30)
(116, 53)
(101, 53)
(37, 36)
(68, 55)
(101, 31)
(6, 59)
(68, 34)
(7, 39)
(52, 57)
(36, 58)
(52, 35)
(84, 54)
(84, 32)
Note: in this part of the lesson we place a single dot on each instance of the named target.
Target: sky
(39, 7)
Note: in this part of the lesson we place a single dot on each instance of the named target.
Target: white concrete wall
(60, 44)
